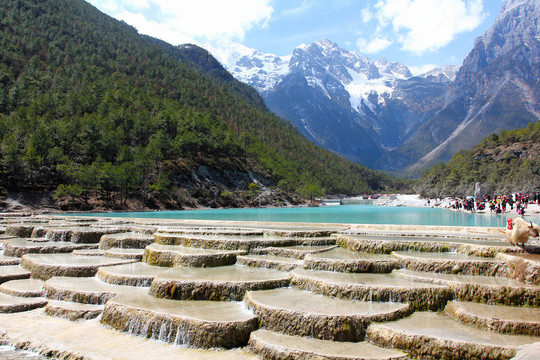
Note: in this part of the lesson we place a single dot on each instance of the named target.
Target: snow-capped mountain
(340, 99)
(377, 114)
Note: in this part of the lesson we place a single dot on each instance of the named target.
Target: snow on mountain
(353, 72)
(260, 70)
(448, 73)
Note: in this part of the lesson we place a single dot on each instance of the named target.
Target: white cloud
(367, 15)
(417, 70)
(306, 5)
(374, 45)
(187, 19)
(427, 25)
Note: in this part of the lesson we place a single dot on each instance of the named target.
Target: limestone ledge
(124, 279)
(178, 329)
(432, 298)
(350, 266)
(300, 233)
(523, 268)
(514, 327)
(320, 326)
(453, 266)
(268, 262)
(247, 243)
(19, 230)
(210, 290)
(295, 253)
(274, 346)
(129, 240)
(382, 246)
(20, 305)
(425, 347)
(156, 256)
(79, 296)
(485, 293)
(19, 250)
(73, 311)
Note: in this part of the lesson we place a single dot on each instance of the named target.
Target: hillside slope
(91, 107)
(507, 162)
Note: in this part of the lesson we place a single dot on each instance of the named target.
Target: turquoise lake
(347, 214)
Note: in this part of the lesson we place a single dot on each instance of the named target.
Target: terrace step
(20, 247)
(216, 283)
(272, 345)
(13, 272)
(127, 240)
(45, 266)
(215, 231)
(11, 304)
(134, 274)
(373, 287)
(435, 335)
(20, 230)
(498, 318)
(83, 290)
(82, 234)
(524, 267)
(117, 253)
(89, 252)
(269, 262)
(302, 313)
(66, 339)
(297, 251)
(172, 255)
(23, 288)
(9, 260)
(484, 289)
(247, 243)
(387, 244)
(452, 263)
(204, 324)
(343, 260)
(73, 311)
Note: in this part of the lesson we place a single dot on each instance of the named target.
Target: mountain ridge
(338, 98)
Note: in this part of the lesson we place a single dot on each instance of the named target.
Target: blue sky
(422, 34)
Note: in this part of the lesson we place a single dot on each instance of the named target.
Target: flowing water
(349, 214)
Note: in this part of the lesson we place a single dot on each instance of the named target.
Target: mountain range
(377, 114)
(101, 116)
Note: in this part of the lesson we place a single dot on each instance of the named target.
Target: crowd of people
(497, 203)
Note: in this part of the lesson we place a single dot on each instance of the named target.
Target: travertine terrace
(99, 288)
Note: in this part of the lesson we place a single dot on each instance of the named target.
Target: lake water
(346, 214)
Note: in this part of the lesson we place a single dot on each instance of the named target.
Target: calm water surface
(348, 214)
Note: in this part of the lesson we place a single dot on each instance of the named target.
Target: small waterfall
(182, 336)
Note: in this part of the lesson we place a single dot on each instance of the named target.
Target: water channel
(346, 214)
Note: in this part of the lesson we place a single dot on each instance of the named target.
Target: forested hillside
(89, 107)
(507, 162)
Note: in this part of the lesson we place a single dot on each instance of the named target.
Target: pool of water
(347, 214)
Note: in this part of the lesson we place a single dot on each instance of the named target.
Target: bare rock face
(496, 87)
